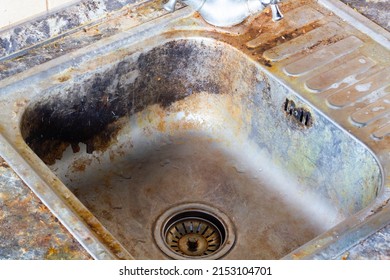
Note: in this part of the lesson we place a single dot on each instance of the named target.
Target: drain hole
(301, 115)
(194, 233)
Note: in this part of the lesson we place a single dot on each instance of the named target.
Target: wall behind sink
(24, 23)
(15, 11)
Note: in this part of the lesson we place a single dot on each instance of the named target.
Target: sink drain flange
(194, 231)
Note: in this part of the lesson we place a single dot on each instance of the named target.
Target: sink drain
(193, 236)
(194, 231)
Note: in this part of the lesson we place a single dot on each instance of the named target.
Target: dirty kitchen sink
(177, 139)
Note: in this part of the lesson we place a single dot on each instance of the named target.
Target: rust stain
(120, 152)
(65, 75)
(81, 164)
(60, 252)
(20, 104)
(380, 207)
(345, 256)
(299, 255)
(97, 227)
(57, 148)
(160, 116)
(51, 252)
(63, 78)
(26, 223)
(3, 163)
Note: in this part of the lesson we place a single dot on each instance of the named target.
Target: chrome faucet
(225, 13)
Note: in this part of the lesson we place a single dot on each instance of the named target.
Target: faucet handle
(276, 13)
(170, 6)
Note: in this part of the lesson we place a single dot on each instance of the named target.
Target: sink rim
(324, 246)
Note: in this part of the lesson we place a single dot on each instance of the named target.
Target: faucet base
(223, 13)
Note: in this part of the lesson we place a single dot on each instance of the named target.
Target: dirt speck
(64, 78)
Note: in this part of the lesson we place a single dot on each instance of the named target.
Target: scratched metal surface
(377, 246)
(29, 231)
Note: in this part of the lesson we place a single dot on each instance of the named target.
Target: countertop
(28, 230)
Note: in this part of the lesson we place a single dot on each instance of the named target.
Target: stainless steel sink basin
(169, 142)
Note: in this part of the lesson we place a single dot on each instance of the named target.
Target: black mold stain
(88, 110)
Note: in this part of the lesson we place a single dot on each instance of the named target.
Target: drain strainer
(193, 236)
(194, 231)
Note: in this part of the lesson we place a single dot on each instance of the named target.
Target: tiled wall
(14, 11)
